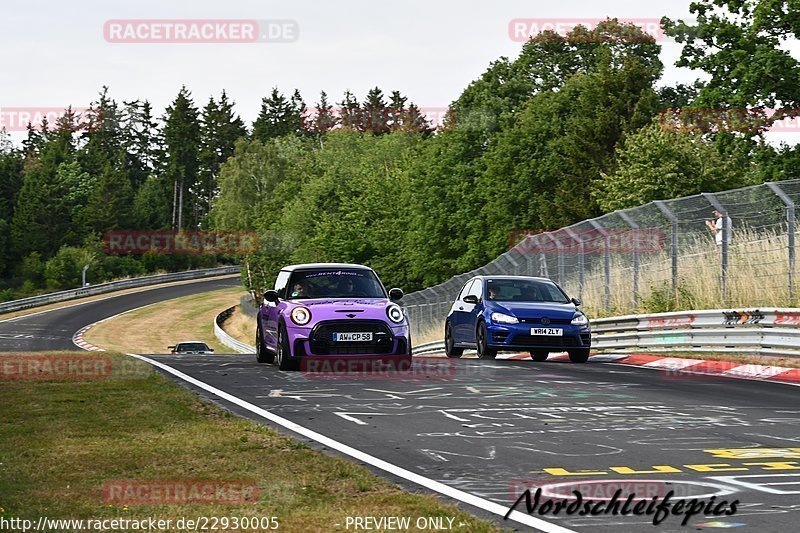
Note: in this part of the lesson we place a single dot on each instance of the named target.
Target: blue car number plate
(353, 337)
(550, 332)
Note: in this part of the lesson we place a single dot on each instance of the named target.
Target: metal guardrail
(103, 288)
(227, 340)
(753, 331)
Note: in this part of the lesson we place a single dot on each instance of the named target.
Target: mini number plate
(365, 336)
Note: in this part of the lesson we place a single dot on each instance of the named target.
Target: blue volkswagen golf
(494, 313)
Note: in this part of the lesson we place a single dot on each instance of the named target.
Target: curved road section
(53, 330)
(492, 429)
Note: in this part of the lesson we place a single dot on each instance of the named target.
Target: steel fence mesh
(660, 256)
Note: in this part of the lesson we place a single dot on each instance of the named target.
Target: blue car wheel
(482, 340)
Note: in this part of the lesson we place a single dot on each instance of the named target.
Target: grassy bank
(61, 441)
(153, 328)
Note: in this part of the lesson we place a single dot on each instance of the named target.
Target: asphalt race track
(491, 428)
(53, 330)
(488, 428)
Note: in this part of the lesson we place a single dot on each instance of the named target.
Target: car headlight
(579, 320)
(395, 314)
(301, 316)
(502, 318)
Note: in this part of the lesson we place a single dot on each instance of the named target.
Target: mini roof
(326, 266)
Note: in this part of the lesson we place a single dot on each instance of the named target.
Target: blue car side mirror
(470, 299)
(576, 301)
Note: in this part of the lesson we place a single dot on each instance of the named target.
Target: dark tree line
(571, 128)
(118, 166)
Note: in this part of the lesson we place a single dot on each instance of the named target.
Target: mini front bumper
(304, 343)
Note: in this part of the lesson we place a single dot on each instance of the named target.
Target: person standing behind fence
(716, 227)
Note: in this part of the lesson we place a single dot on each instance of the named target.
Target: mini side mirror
(470, 299)
(576, 301)
(211, 350)
(170, 347)
(395, 294)
(271, 296)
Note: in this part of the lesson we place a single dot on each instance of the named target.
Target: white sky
(54, 53)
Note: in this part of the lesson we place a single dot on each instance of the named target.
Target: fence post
(528, 253)
(606, 260)
(542, 259)
(674, 241)
(634, 227)
(560, 256)
(581, 269)
(514, 264)
(790, 231)
(726, 232)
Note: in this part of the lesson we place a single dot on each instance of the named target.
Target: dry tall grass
(757, 275)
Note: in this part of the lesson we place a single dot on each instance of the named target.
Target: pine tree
(375, 112)
(324, 119)
(275, 118)
(220, 128)
(298, 116)
(42, 214)
(397, 110)
(181, 153)
(352, 118)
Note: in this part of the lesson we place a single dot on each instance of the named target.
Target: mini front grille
(321, 339)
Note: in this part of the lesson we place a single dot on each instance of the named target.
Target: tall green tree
(42, 217)
(181, 154)
(657, 164)
(220, 128)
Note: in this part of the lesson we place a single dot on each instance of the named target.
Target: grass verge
(240, 326)
(62, 441)
(153, 328)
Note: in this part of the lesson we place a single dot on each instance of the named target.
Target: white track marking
(756, 371)
(673, 363)
(395, 470)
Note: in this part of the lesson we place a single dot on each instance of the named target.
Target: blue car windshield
(334, 284)
(524, 290)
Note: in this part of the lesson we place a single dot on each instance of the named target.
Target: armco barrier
(752, 331)
(103, 288)
(226, 339)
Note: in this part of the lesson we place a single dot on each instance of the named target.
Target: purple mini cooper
(330, 309)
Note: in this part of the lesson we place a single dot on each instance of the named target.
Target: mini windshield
(335, 284)
(524, 290)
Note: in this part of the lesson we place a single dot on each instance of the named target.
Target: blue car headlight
(502, 318)
(580, 320)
